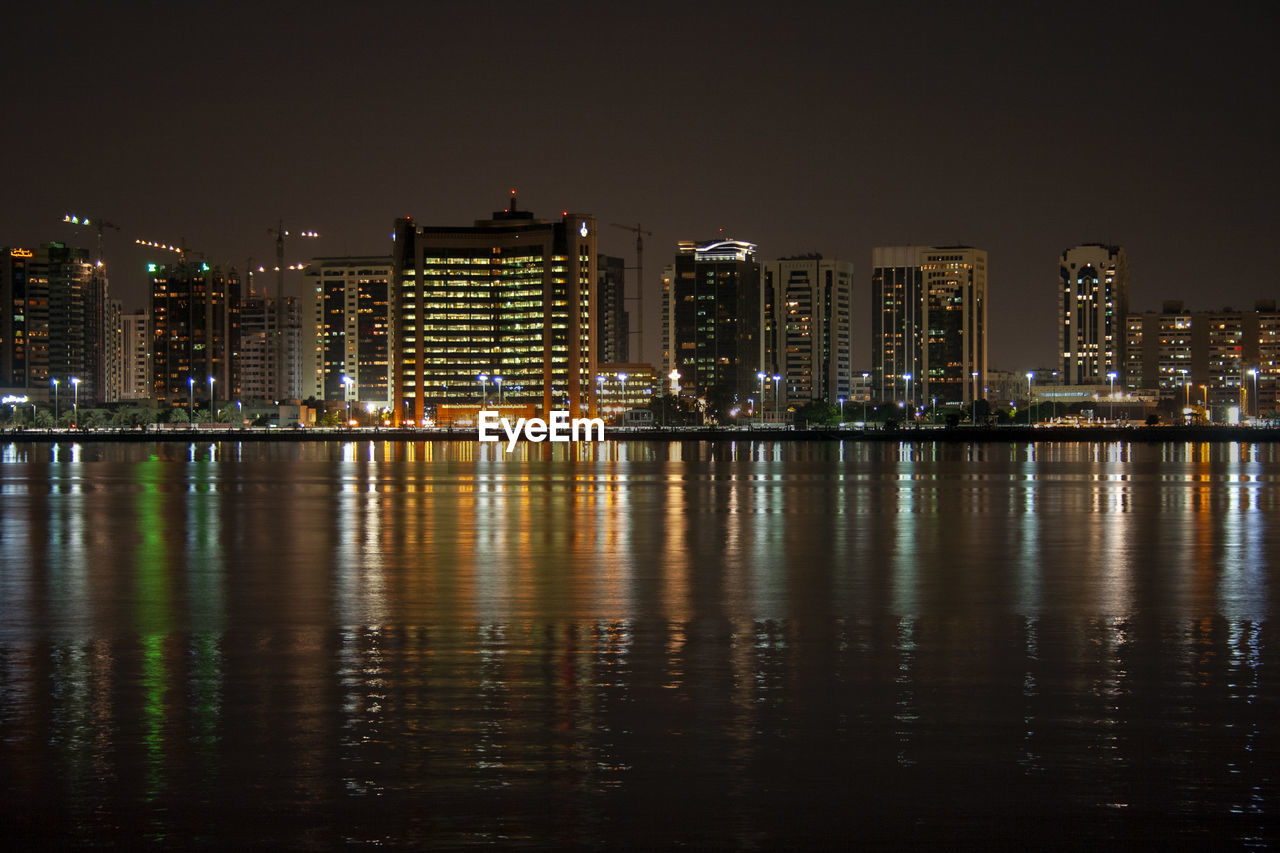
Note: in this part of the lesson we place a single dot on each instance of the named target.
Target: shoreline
(1000, 434)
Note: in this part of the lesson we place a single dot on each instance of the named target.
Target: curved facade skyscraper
(1093, 299)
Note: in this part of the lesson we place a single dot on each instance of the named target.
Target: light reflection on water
(642, 644)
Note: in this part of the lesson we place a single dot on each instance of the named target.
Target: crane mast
(640, 233)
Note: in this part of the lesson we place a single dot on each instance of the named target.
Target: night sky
(1015, 129)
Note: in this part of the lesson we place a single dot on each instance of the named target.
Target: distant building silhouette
(613, 326)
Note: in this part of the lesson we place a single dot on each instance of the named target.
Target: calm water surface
(752, 645)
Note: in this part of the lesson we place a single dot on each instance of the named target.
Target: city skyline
(868, 127)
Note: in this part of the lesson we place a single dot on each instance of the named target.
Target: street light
(212, 408)
(483, 379)
(347, 382)
(777, 397)
(1186, 387)
(622, 377)
(191, 402)
(1256, 409)
(841, 399)
(55, 402)
(907, 377)
(974, 417)
(760, 376)
(1112, 377)
(498, 381)
(1030, 397)
(866, 392)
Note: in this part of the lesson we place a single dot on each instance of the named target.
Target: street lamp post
(974, 416)
(1204, 389)
(1256, 408)
(866, 393)
(483, 379)
(777, 397)
(622, 378)
(1112, 377)
(910, 408)
(347, 382)
(760, 376)
(213, 409)
(841, 399)
(55, 402)
(600, 393)
(191, 402)
(674, 376)
(1030, 396)
(498, 381)
(75, 401)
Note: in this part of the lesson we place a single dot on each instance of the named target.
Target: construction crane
(640, 233)
(180, 250)
(85, 221)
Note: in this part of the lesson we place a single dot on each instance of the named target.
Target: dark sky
(1020, 130)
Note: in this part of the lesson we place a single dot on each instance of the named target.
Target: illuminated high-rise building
(351, 301)
(112, 350)
(712, 319)
(612, 318)
(52, 320)
(1226, 357)
(897, 317)
(1093, 301)
(929, 323)
(135, 356)
(263, 347)
(808, 326)
(195, 331)
(510, 296)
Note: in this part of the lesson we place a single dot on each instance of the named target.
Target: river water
(639, 645)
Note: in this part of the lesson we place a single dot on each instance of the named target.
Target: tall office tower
(258, 355)
(15, 321)
(712, 319)
(897, 319)
(955, 284)
(808, 337)
(51, 322)
(612, 319)
(135, 356)
(195, 332)
(1225, 358)
(510, 296)
(355, 326)
(1093, 300)
(112, 350)
(929, 323)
